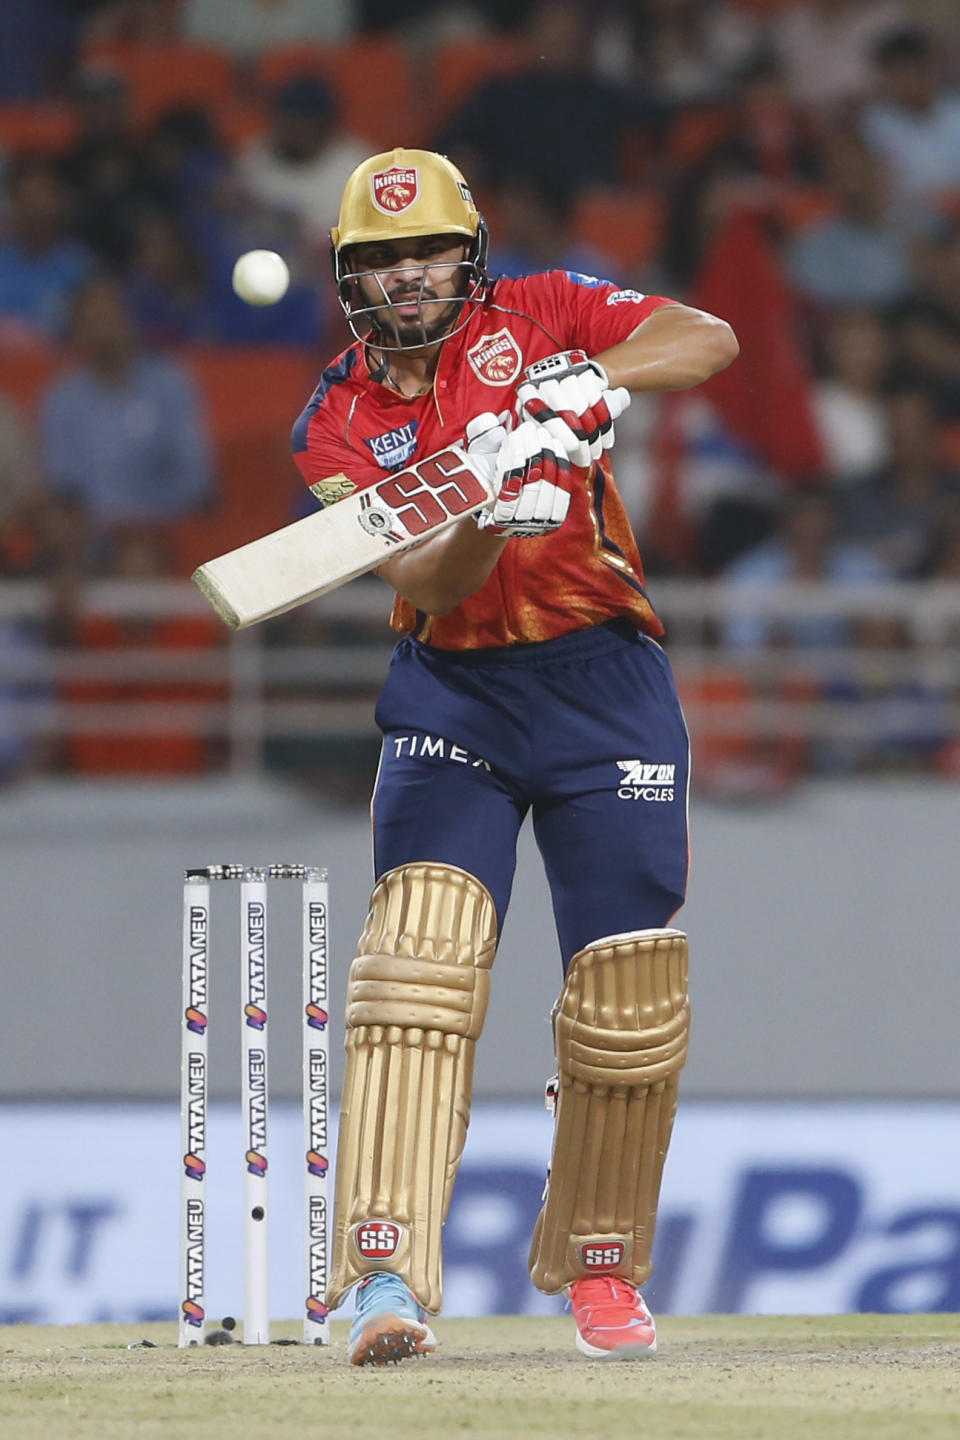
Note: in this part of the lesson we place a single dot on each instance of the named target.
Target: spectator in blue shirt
(900, 511)
(122, 434)
(805, 549)
(40, 263)
(853, 256)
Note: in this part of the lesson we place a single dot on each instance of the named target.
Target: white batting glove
(532, 477)
(570, 397)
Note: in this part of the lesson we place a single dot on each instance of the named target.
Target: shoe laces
(385, 1287)
(601, 1289)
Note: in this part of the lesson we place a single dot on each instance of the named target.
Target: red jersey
(355, 429)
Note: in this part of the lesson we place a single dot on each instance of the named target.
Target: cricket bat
(313, 556)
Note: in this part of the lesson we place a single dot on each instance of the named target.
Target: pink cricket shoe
(613, 1323)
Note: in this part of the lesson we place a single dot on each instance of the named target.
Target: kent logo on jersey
(396, 447)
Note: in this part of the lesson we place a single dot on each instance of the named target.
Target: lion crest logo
(496, 359)
(395, 189)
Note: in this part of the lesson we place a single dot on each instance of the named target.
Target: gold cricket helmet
(397, 195)
(403, 193)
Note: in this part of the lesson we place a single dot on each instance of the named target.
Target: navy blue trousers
(585, 731)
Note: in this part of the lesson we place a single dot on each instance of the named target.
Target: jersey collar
(451, 357)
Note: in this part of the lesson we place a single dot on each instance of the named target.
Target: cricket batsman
(528, 679)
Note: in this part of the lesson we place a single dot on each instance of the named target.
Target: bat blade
(313, 556)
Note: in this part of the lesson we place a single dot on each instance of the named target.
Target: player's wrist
(563, 364)
(485, 523)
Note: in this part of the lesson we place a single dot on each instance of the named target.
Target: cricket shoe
(389, 1323)
(613, 1323)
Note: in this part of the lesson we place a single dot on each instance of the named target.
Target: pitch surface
(858, 1377)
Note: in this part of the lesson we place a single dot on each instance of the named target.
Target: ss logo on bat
(427, 494)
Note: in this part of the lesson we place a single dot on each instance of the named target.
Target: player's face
(419, 281)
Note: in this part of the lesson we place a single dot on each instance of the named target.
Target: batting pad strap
(416, 1001)
(621, 1026)
(418, 994)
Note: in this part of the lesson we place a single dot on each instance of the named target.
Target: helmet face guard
(374, 319)
(392, 198)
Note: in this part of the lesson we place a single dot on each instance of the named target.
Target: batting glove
(570, 397)
(532, 478)
(485, 436)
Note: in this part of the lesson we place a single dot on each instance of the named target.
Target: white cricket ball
(261, 277)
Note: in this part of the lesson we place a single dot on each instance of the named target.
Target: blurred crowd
(792, 165)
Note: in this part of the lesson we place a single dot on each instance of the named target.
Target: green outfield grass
(851, 1377)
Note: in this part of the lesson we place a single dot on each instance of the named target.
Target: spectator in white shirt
(826, 48)
(915, 126)
(848, 403)
(689, 52)
(303, 162)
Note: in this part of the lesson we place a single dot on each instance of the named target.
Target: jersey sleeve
(585, 312)
(331, 467)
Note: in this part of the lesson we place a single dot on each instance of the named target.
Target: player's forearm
(673, 349)
(443, 571)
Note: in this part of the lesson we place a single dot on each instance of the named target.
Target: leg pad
(620, 1028)
(416, 1001)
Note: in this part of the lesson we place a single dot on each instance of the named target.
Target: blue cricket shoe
(389, 1324)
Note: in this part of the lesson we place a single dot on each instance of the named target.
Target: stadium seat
(370, 78)
(46, 129)
(162, 77)
(250, 422)
(625, 224)
(26, 371)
